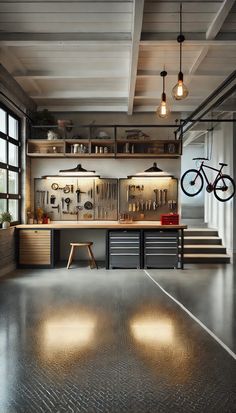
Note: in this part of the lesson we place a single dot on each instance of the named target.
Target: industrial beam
(136, 34)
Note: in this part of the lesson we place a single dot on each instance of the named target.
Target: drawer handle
(137, 255)
(174, 255)
(124, 242)
(161, 248)
(161, 242)
(125, 248)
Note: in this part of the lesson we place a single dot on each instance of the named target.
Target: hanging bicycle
(223, 185)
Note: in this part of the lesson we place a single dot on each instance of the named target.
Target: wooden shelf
(46, 155)
(141, 148)
(147, 155)
(76, 155)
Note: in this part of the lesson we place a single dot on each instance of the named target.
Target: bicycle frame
(201, 170)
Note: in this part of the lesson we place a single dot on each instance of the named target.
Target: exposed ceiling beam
(156, 73)
(81, 94)
(67, 107)
(16, 65)
(58, 74)
(189, 42)
(201, 56)
(61, 38)
(192, 137)
(136, 34)
(12, 89)
(219, 19)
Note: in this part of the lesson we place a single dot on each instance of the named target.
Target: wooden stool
(74, 245)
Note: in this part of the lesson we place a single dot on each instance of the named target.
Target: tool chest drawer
(124, 249)
(161, 249)
(34, 247)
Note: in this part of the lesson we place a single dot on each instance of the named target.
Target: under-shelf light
(78, 171)
(153, 171)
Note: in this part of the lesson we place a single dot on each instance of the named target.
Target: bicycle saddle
(224, 164)
(204, 159)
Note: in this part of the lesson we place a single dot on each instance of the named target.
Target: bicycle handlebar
(203, 159)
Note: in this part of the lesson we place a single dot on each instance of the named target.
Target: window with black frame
(9, 163)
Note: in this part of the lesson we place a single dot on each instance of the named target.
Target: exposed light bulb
(180, 91)
(162, 109)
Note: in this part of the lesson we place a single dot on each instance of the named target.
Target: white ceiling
(107, 55)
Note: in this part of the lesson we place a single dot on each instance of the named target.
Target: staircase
(203, 246)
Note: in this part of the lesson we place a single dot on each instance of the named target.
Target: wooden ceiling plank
(39, 39)
(219, 19)
(188, 7)
(42, 27)
(64, 17)
(136, 34)
(66, 6)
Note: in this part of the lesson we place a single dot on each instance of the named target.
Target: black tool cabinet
(161, 249)
(124, 249)
(142, 249)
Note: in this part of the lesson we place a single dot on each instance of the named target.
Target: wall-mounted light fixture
(153, 171)
(77, 171)
(180, 90)
(74, 172)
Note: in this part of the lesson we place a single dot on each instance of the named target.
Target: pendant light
(151, 172)
(162, 109)
(77, 171)
(180, 91)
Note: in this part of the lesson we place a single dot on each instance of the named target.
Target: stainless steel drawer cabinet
(161, 249)
(124, 249)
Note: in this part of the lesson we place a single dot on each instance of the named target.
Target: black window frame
(6, 166)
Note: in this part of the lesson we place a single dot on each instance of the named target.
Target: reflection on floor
(209, 292)
(111, 341)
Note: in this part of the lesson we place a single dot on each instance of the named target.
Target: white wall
(192, 207)
(218, 214)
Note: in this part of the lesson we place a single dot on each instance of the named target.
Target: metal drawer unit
(124, 249)
(161, 249)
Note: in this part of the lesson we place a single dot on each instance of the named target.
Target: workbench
(38, 244)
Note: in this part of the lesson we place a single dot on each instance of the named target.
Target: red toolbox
(170, 219)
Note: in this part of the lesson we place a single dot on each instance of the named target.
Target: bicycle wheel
(191, 182)
(224, 188)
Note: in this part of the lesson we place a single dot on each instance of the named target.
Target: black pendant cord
(180, 57)
(181, 38)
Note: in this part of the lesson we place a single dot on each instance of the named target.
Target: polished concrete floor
(112, 341)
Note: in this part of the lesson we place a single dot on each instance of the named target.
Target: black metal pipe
(211, 120)
(214, 94)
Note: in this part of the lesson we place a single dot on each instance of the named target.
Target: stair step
(202, 240)
(206, 258)
(200, 232)
(204, 249)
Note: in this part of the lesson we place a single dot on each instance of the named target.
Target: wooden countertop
(100, 224)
